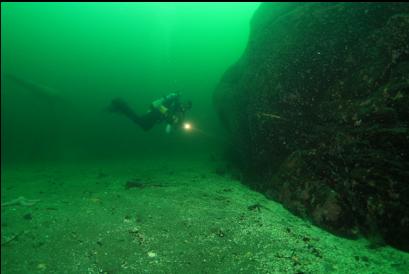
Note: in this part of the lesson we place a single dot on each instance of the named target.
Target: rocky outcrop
(318, 110)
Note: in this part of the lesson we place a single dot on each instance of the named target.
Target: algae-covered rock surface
(317, 109)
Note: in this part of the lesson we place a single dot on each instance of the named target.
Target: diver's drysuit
(167, 109)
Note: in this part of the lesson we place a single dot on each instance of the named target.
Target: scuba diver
(168, 109)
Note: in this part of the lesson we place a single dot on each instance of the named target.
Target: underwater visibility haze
(204, 137)
(77, 57)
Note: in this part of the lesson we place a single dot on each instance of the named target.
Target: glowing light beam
(187, 126)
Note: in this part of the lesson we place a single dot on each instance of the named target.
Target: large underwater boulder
(317, 109)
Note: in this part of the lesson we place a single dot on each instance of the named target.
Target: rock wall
(317, 109)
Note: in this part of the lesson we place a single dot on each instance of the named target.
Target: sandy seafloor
(186, 219)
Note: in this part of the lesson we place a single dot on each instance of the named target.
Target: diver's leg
(148, 120)
(120, 106)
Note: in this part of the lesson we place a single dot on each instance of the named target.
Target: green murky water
(84, 190)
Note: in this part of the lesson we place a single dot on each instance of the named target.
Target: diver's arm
(171, 98)
(163, 104)
(165, 100)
